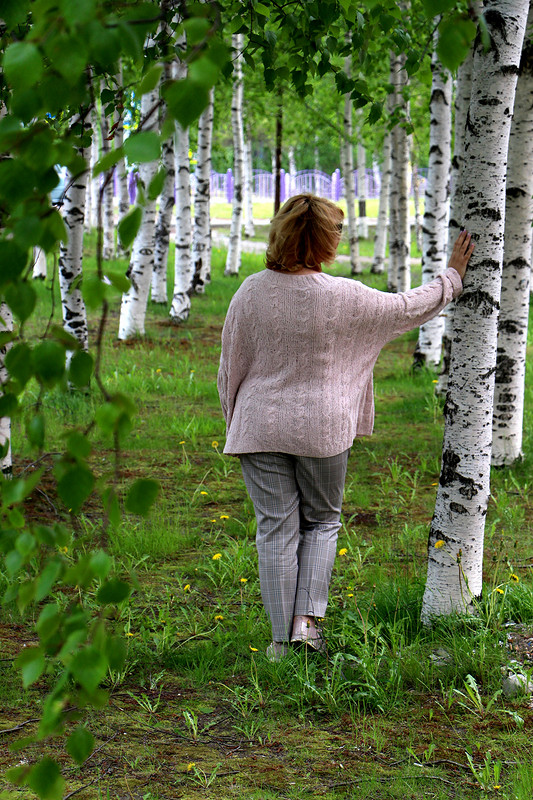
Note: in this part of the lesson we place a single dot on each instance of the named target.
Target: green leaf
(31, 663)
(118, 280)
(204, 72)
(21, 299)
(35, 430)
(13, 260)
(374, 115)
(100, 563)
(150, 80)
(142, 147)
(18, 362)
(46, 781)
(115, 649)
(89, 667)
(8, 405)
(155, 186)
(93, 291)
(455, 39)
(128, 227)
(49, 621)
(433, 8)
(47, 578)
(142, 495)
(80, 744)
(78, 445)
(108, 161)
(80, 369)
(75, 486)
(185, 100)
(48, 360)
(23, 65)
(13, 561)
(113, 591)
(196, 29)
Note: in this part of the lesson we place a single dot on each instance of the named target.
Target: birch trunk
(233, 259)
(93, 185)
(71, 256)
(362, 222)
(394, 215)
(402, 245)
(108, 212)
(164, 217)
(455, 223)
(6, 324)
(514, 306)
(201, 238)
(435, 230)
(454, 579)
(39, 263)
(249, 228)
(123, 197)
(415, 182)
(348, 176)
(134, 301)
(183, 264)
(380, 238)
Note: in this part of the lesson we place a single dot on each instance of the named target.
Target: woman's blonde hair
(304, 233)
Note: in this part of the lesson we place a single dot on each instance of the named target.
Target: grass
(396, 711)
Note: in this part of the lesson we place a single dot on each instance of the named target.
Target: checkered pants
(297, 502)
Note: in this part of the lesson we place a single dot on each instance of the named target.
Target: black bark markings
(450, 462)
(478, 300)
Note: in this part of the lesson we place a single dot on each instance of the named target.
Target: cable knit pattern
(298, 353)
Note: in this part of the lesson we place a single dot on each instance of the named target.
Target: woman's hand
(462, 250)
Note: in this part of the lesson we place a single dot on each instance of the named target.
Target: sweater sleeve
(235, 357)
(395, 313)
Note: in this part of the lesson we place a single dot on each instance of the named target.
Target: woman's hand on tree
(462, 250)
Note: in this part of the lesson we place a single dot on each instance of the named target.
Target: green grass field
(395, 711)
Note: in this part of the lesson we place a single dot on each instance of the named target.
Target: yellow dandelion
(440, 543)
(224, 516)
(64, 549)
(187, 587)
(351, 594)
(219, 616)
(343, 551)
(434, 381)
(514, 578)
(217, 556)
(203, 492)
(182, 441)
(190, 765)
(253, 649)
(214, 444)
(244, 580)
(129, 633)
(435, 484)
(158, 369)
(212, 520)
(497, 786)
(500, 591)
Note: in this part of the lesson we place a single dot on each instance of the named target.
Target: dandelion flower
(64, 549)
(217, 556)
(514, 578)
(351, 594)
(253, 649)
(438, 544)
(203, 492)
(182, 441)
(500, 591)
(214, 444)
(129, 633)
(219, 616)
(224, 516)
(343, 551)
(435, 484)
(212, 520)
(244, 580)
(158, 369)
(190, 765)
(187, 587)
(434, 381)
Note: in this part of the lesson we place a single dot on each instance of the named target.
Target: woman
(295, 384)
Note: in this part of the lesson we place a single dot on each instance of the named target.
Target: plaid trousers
(297, 502)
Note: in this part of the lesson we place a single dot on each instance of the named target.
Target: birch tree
(71, 253)
(455, 546)
(361, 186)
(347, 169)
(6, 324)
(233, 258)
(201, 238)
(248, 182)
(123, 197)
(164, 217)
(402, 244)
(462, 102)
(107, 199)
(134, 301)
(514, 306)
(380, 236)
(39, 263)
(435, 228)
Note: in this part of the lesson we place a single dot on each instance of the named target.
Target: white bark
(93, 186)
(108, 212)
(164, 217)
(380, 238)
(71, 257)
(402, 244)
(435, 230)
(201, 238)
(454, 578)
(415, 180)
(249, 229)
(394, 215)
(347, 169)
(362, 221)
(6, 324)
(233, 259)
(39, 263)
(123, 198)
(514, 306)
(462, 102)
(134, 301)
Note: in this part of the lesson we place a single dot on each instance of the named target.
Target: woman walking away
(295, 384)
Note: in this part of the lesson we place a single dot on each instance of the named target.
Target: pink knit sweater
(297, 357)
